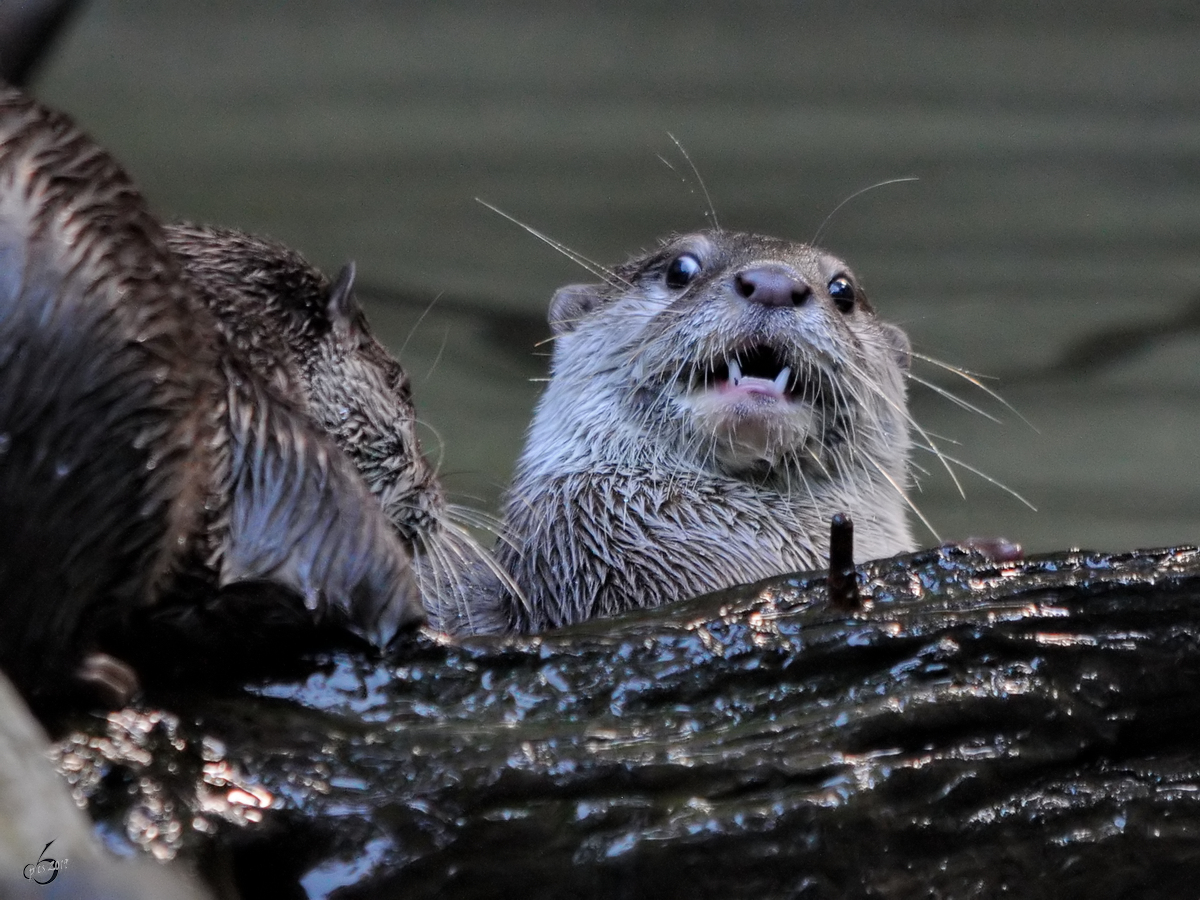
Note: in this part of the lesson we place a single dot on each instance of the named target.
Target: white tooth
(781, 379)
(735, 372)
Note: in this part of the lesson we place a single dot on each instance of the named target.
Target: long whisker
(985, 477)
(944, 438)
(974, 379)
(904, 495)
(449, 587)
(437, 359)
(593, 267)
(712, 210)
(483, 521)
(902, 411)
(470, 544)
(952, 397)
(441, 445)
(421, 318)
(859, 193)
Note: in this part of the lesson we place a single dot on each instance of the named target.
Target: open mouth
(758, 370)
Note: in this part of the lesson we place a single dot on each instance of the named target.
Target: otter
(311, 340)
(712, 405)
(144, 462)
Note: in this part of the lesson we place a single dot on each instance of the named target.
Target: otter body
(143, 460)
(710, 408)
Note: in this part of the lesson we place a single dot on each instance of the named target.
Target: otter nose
(771, 286)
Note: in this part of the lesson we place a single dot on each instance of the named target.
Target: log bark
(974, 729)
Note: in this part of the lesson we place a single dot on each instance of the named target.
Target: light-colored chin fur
(749, 430)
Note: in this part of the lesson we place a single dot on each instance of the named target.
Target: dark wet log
(974, 729)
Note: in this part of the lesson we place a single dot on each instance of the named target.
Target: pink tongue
(751, 385)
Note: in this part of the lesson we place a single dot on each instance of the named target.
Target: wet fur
(625, 497)
(141, 461)
(310, 339)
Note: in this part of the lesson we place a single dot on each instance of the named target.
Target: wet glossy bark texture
(972, 729)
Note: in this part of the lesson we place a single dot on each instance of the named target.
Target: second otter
(146, 467)
(310, 340)
(711, 406)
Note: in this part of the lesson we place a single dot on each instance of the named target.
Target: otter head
(310, 339)
(741, 352)
(360, 394)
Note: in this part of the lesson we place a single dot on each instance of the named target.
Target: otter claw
(111, 681)
(996, 549)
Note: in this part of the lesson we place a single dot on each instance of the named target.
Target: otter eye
(843, 293)
(683, 269)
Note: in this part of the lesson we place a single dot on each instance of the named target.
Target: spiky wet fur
(628, 494)
(310, 339)
(319, 352)
(141, 459)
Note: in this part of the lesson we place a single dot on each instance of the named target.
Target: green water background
(1051, 241)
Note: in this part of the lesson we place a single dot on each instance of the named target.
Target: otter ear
(341, 306)
(570, 304)
(899, 344)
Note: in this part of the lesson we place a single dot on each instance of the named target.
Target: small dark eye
(843, 293)
(683, 269)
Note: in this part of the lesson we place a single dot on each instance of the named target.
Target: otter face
(749, 351)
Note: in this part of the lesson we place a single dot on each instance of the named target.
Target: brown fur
(312, 341)
(142, 459)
